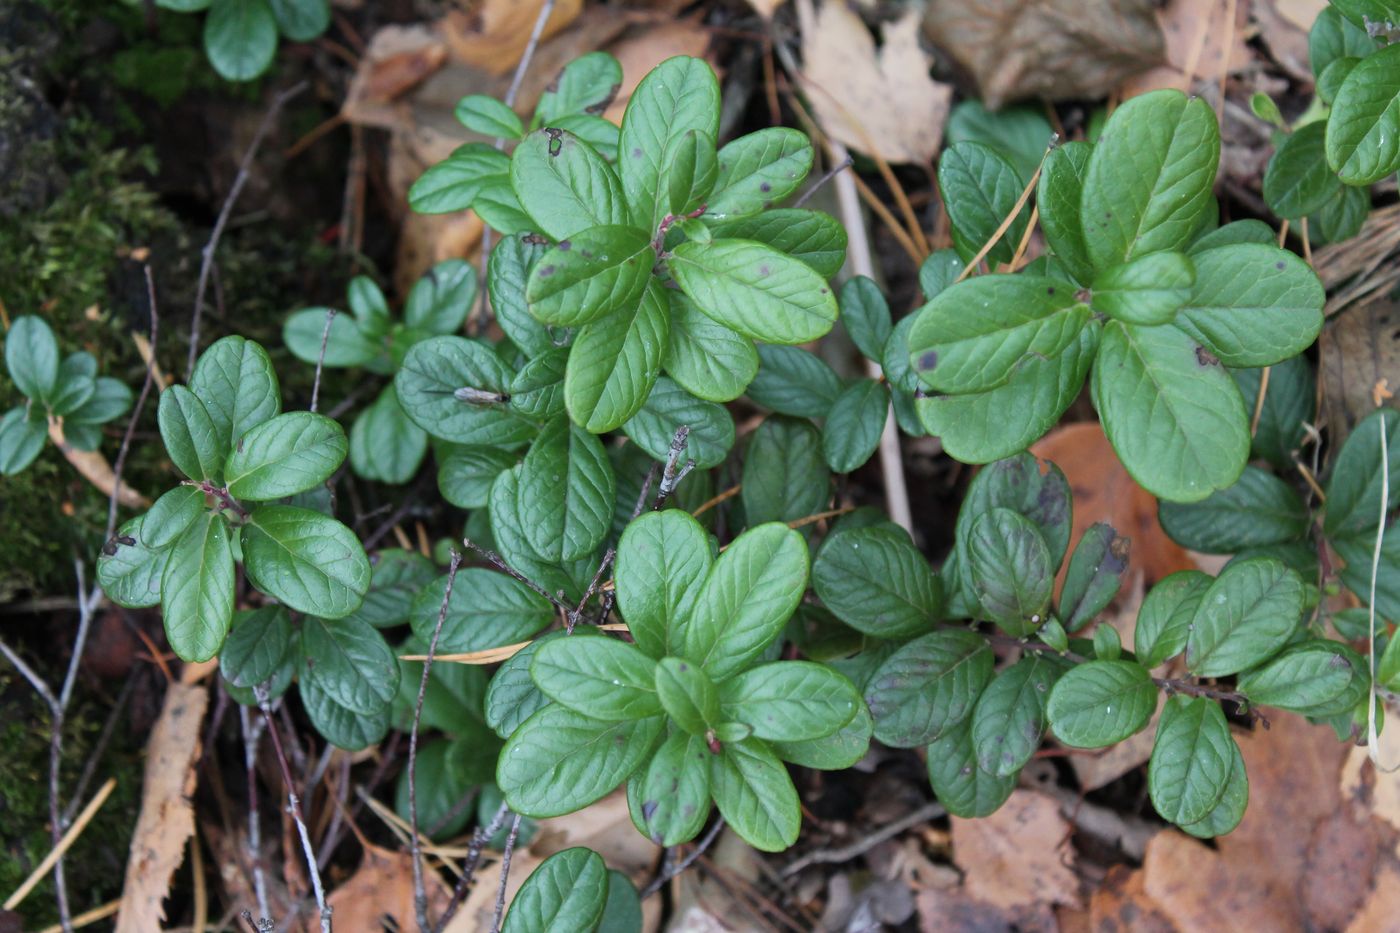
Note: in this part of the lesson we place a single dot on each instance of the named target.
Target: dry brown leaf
(1341, 862)
(1195, 32)
(493, 33)
(1095, 771)
(1383, 906)
(1359, 347)
(766, 8)
(398, 59)
(166, 822)
(1017, 858)
(1050, 49)
(379, 896)
(95, 469)
(879, 102)
(1286, 41)
(643, 51)
(1121, 903)
(1195, 887)
(1301, 13)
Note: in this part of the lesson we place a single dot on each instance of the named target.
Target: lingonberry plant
(240, 36)
(646, 276)
(64, 398)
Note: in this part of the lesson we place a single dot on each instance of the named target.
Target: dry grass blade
(64, 844)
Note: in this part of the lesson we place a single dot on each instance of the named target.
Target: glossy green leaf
(1354, 489)
(1333, 36)
(1192, 758)
(235, 380)
(385, 444)
(1020, 133)
(679, 95)
(1298, 180)
(1011, 570)
(793, 381)
(707, 359)
(959, 783)
(566, 492)
(458, 181)
(1229, 810)
(785, 477)
(191, 439)
(755, 290)
(688, 174)
(346, 345)
(755, 795)
(110, 399)
(585, 85)
(1310, 674)
(688, 695)
(1340, 218)
(668, 408)
(1148, 290)
(662, 561)
(972, 337)
(758, 170)
(854, 424)
(1363, 130)
(307, 560)
(31, 355)
(171, 514)
(1009, 720)
(615, 362)
(789, 701)
(1058, 196)
(240, 38)
(835, 752)
(566, 892)
(128, 571)
(350, 661)
(866, 316)
(979, 189)
(598, 270)
(288, 454)
(1239, 231)
(302, 20)
(675, 790)
(560, 761)
(814, 237)
(537, 391)
(508, 533)
(1098, 703)
(1149, 178)
(439, 302)
(487, 610)
(928, 686)
(196, 589)
(1171, 411)
(746, 600)
(1258, 510)
(599, 677)
(512, 696)
(565, 185)
(877, 583)
(1249, 612)
(1034, 489)
(1095, 573)
(428, 385)
(1164, 620)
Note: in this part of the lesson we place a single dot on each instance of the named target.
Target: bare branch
(500, 564)
(321, 358)
(478, 842)
(674, 471)
(122, 451)
(252, 732)
(505, 874)
(686, 862)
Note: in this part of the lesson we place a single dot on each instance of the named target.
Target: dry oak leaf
(492, 34)
(379, 896)
(878, 102)
(1016, 858)
(1195, 32)
(1046, 49)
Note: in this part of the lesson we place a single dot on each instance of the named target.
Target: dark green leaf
(1058, 197)
(1032, 488)
(1192, 758)
(343, 728)
(110, 399)
(439, 302)
(1239, 231)
(759, 170)
(1011, 570)
(1164, 621)
(302, 20)
(459, 181)
(537, 391)
(853, 426)
(1288, 404)
(599, 677)
(793, 381)
(1098, 703)
(240, 38)
(31, 355)
(512, 696)
(615, 362)
(586, 85)
(489, 117)
(961, 785)
(487, 610)
(928, 686)
(288, 454)
(194, 444)
(235, 380)
(346, 345)
(21, 440)
(434, 371)
(784, 476)
(877, 582)
(1009, 720)
(979, 189)
(440, 789)
(1310, 674)
(128, 571)
(256, 646)
(707, 359)
(675, 790)
(1340, 218)
(667, 408)
(396, 578)
(662, 561)
(465, 475)
(1333, 36)
(171, 514)
(866, 315)
(508, 531)
(567, 892)
(1298, 181)
(1357, 481)
(385, 444)
(938, 271)
(755, 290)
(307, 560)
(1249, 612)
(790, 701)
(1020, 133)
(76, 382)
(755, 795)
(1260, 509)
(599, 270)
(1363, 130)
(350, 661)
(1228, 812)
(566, 492)
(1095, 573)
(196, 589)
(688, 695)
(688, 174)
(816, 238)
(835, 752)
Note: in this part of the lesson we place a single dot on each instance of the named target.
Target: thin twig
(858, 848)
(321, 358)
(31, 675)
(686, 862)
(571, 619)
(546, 10)
(1010, 218)
(505, 874)
(478, 842)
(62, 844)
(109, 728)
(1373, 749)
(252, 732)
(838, 167)
(674, 471)
(420, 893)
(294, 807)
(120, 463)
(239, 181)
(1259, 402)
(500, 564)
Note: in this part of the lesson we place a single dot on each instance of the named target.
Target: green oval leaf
(668, 408)
(288, 454)
(1164, 619)
(599, 677)
(814, 237)
(753, 289)
(567, 892)
(128, 571)
(678, 95)
(979, 189)
(487, 610)
(615, 361)
(565, 185)
(928, 686)
(1147, 290)
(240, 38)
(1363, 130)
(854, 424)
(675, 790)
(663, 559)
(758, 170)
(31, 355)
(707, 359)
(755, 795)
(256, 646)
(1248, 613)
(1298, 181)
(793, 381)
(235, 380)
(789, 701)
(171, 514)
(1192, 758)
(1312, 674)
(1098, 703)
(877, 582)
(193, 442)
(1058, 197)
(1258, 510)
(566, 492)
(350, 661)
(196, 589)
(1011, 570)
(1009, 720)
(428, 382)
(598, 270)
(489, 117)
(785, 477)
(307, 560)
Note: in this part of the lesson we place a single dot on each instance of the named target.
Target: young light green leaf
(1095, 573)
(1191, 761)
(458, 181)
(1164, 621)
(560, 761)
(1363, 130)
(1247, 614)
(599, 677)
(789, 701)
(566, 492)
(986, 426)
(171, 514)
(1355, 486)
(973, 335)
(1098, 703)
(1149, 178)
(816, 238)
(755, 290)
(688, 695)
(128, 571)
(585, 85)
(666, 409)
(235, 380)
(759, 170)
(1258, 510)
(1011, 570)
(565, 185)
(31, 355)
(1253, 304)
(307, 560)
(385, 444)
(567, 892)
(240, 38)
(1009, 720)
(877, 582)
(194, 444)
(679, 95)
(489, 117)
(615, 362)
(1148, 290)
(285, 455)
(785, 477)
(755, 795)
(599, 270)
(928, 686)
(675, 790)
(662, 561)
(196, 589)
(707, 359)
(866, 315)
(979, 189)
(1298, 180)
(487, 610)
(793, 381)
(1170, 410)
(256, 646)
(351, 662)
(959, 782)
(1313, 673)
(853, 426)
(430, 378)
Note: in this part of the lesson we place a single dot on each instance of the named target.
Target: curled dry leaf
(1049, 49)
(875, 101)
(95, 469)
